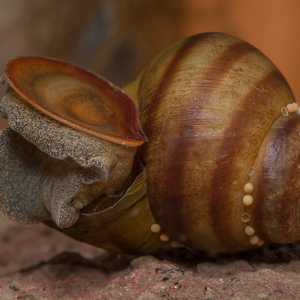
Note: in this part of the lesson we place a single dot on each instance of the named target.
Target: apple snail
(202, 150)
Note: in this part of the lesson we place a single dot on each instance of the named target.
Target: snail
(200, 151)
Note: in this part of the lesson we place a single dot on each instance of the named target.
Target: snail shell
(208, 106)
(219, 171)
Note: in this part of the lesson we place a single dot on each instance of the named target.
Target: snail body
(217, 160)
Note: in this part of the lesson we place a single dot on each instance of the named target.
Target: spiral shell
(206, 105)
(218, 171)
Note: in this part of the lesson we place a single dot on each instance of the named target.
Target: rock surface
(40, 263)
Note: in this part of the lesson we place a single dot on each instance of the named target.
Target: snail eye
(77, 98)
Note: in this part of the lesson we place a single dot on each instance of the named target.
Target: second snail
(201, 151)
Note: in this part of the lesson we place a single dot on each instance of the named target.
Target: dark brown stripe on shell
(173, 206)
(240, 126)
(169, 211)
(166, 80)
(286, 203)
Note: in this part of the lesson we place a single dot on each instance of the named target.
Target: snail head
(58, 169)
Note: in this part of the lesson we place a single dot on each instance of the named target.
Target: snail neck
(132, 89)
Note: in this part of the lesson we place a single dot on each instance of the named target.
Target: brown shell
(76, 97)
(206, 105)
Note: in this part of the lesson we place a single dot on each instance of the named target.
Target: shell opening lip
(77, 98)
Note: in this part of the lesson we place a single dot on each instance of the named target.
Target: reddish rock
(85, 272)
(23, 247)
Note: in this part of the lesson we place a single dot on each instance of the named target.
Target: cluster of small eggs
(248, 200)
(290, 108)
(155, 228)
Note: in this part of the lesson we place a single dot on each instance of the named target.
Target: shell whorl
(206, 105)
(276, 209)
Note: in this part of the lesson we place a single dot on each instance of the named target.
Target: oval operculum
(275, 210)
(49, 170)
(122, 227)
(77, 98)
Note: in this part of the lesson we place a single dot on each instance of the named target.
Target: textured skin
(124, 227)
(31, 180)
(206, 105)
(60, 149)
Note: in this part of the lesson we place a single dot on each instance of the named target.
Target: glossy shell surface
(76, 97)
(206, 105)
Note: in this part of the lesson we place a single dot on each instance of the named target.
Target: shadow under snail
(202, 150)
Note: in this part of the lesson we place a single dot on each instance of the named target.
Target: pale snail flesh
(200, 151)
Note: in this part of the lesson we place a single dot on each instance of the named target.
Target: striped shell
(218, 171)
(211, 108)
